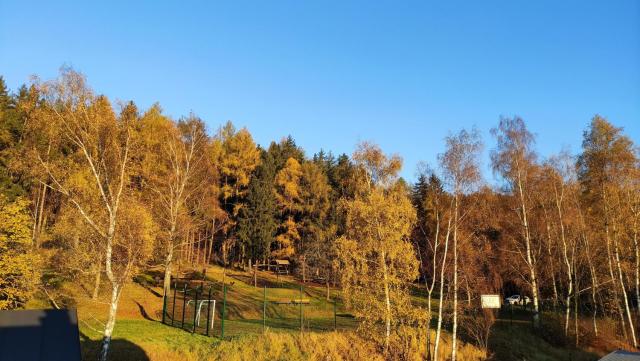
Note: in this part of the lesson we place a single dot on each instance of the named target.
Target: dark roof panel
(35, 335)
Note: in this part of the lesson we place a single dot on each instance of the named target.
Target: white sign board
(490, 301)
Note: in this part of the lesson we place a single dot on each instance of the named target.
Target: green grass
(143, 339)
(139, 334)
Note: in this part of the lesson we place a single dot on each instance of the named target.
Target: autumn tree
(430, 201)
(607, 158)
(376, 257)
(19, 264)
(173, 167)
(238, 157)
(515, 160)
(460, 166)
(317, 231)
(96, 176)
(288, 196)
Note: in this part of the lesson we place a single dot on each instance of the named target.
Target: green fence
(226, 310)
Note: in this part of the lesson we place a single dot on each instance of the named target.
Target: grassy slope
(140, 336)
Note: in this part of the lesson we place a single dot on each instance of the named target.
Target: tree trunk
(429, 324)
(304, 270)
(575, 315)
(433, 283)
(637, 268)
(166, 287)
(441, 303)
(328, 290)
(213, 233)
(553, 273)
(96, 285)
(116, 287)
(565, 253)
(454, 336)
(615, 289)
(111, 321)
(530, 263)
(594, 283)
(387, 301)
(624, 296)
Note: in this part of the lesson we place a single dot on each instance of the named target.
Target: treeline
(93, 190)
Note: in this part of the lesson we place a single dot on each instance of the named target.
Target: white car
(517, 300)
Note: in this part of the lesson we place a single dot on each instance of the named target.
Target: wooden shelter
(280, 266)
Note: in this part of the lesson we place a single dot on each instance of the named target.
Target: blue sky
(332, 73)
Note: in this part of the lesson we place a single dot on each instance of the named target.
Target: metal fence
(227, 310)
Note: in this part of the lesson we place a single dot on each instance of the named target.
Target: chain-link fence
(237, 308)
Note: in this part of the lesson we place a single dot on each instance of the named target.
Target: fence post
(195, 311)
(224, 308)
(208, 310)
(300, 308)
(264, 310)
(173, 308)
(184, 304)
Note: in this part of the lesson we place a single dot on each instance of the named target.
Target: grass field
(139, 334)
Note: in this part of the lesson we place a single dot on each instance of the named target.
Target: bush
(144, 280)
(552, 330)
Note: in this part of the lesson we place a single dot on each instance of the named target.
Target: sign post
(490, 301)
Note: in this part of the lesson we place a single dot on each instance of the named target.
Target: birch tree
(175, 159)
(607, 156)
(460, 166)
(376, 258)
(102, 147)
(514, 159)
(429, 200)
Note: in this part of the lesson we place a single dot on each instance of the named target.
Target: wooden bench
(297, 301)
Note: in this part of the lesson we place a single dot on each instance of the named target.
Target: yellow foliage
(19, 266)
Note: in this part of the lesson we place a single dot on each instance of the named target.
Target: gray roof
(35, 335)
(621, 355)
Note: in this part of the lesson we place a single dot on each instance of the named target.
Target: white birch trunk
(530, 263)
(387, 301)
(454, 336)
(625, 298)
(441, 303)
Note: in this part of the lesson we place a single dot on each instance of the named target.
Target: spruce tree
(257, 221)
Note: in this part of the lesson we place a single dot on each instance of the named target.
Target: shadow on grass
(518, 341)
(120, 349)
(143, 312)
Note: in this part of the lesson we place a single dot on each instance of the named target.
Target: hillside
(140, 335)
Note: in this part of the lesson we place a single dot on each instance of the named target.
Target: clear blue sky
(332, 73)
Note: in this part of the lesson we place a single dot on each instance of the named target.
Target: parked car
(517, 300)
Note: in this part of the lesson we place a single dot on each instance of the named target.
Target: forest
(97, 192)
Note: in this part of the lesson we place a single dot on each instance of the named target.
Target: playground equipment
(212, 305)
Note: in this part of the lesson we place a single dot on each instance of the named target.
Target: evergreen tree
(285, 149)
(11, 128)
(257, 222)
